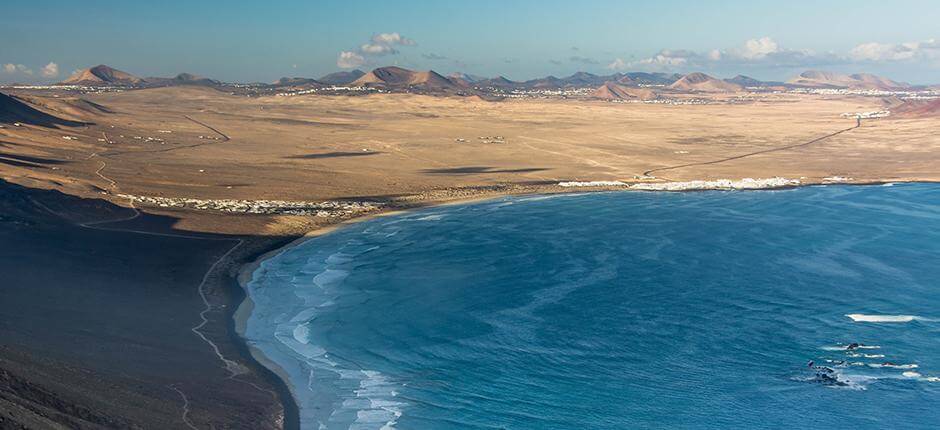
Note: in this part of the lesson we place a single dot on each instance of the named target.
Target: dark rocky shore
(96, 321)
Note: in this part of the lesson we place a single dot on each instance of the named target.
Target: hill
(341, 78)
(704, 83)
(465, 77)
(398, 78)
(548, 82)
(858, 81)
(918, 109)
(747, 81)
(644, 78)
(614, 91)
(869, 81)
(102, 75)
(181, 79)
(584, 79)
(296, 82)
(497, 82)
(13, 110)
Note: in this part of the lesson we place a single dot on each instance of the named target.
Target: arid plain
(212, 145)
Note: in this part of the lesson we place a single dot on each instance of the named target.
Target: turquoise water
(617, 310)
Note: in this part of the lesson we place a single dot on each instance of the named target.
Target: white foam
(302, 334)
(435, 217)
(719, 184)
(882, 318)
(279, 325)
(305, 315)
(911, 374)
(330, 278)
(339, 258)
(846, 347)
(375, 402)
(592, 184)
(892, 366)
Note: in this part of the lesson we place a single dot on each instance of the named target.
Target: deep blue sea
(623, 310)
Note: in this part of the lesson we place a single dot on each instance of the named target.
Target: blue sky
(262, 41)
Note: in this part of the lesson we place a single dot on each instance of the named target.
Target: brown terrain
(814, 78)
(704, 83)
(614, 91)
(100, 75)
(118, 313)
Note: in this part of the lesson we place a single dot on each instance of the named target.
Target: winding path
(765, 151)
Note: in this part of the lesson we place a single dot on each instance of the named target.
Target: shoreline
(238, 317)
(266, 369)
(245, 272)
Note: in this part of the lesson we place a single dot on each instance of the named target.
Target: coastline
(245, 272)
(267, 369)
(238, 318)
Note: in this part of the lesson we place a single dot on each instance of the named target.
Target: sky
(255, 41)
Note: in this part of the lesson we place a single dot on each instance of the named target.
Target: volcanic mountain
(547, 82)
(465, 77)
(644, 78)
(704, 83)
(859, 81)
(181, 79)
(399, 78)
(102, 75)
(614, 91)
(341, 78)
(497, 82)
(296, 82)
(585, 79)
(747, 81)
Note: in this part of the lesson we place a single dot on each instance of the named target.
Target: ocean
(809, 308)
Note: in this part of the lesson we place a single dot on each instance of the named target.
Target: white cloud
(666, 59)
(377, 49)
(50, 70)
(765, 52)
(385, 43)
(379, 44)
(759, 48)
(392, 39)
(617, 64)
(11, 68)
(908, 51)
(762, 51)
(350, 60)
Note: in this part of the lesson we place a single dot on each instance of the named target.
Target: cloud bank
(766, 52)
